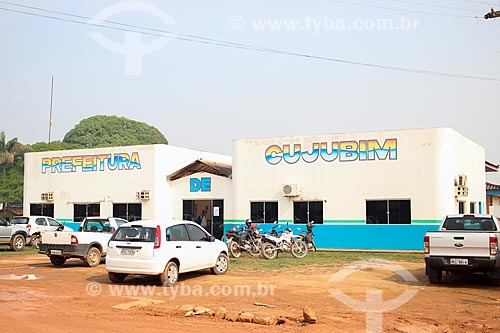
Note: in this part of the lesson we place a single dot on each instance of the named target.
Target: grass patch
(285, 260)
(5, 251)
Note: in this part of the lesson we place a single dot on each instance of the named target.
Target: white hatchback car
(37, 224)
(163, 248)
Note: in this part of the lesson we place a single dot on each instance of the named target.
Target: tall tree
(112, 131)
(9, 182)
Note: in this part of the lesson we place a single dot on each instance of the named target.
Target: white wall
(418, 174)
(459, 155)
(221, 188)
(168, 160)
(110, 186)
(105, 187)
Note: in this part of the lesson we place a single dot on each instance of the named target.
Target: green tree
(54, 145)
(11, 169)
(112, 131)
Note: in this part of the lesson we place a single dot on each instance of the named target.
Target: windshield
(135, 234)
(469, 223)
(20, 220)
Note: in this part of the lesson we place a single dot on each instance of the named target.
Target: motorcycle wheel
(254, 250)
(269, 251)
(234, 249)
(299, 249)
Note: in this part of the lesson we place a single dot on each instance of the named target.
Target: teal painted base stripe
(346, 222)
(358, 236)
(427, 221)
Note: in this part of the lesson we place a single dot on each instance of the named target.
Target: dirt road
(75, 298)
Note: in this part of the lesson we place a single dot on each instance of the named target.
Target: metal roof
(490, 167)
(492, 187)
(215, 168)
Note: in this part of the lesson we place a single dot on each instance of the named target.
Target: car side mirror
(211, 238)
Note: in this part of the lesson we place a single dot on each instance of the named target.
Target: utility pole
(50, 117)
(492, 14)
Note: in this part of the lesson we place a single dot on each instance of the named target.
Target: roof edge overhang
(200, 165)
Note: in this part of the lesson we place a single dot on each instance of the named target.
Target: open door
(218, 218)
(212, 210)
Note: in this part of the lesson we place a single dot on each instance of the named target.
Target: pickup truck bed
(89, 243)
(464, 243)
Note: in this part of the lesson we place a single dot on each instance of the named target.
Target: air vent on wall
(462, 180)
(290, 190)
(48, 196)
(461, 191)
(143, 195)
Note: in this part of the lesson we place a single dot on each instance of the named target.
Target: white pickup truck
(463, 243)
(89, 243)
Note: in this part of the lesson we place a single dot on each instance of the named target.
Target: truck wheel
(116, 277)
(17, 243)
(93, 257)
(436, 278)
(170, 275)
(57, 260)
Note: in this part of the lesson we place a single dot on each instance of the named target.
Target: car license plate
(128, 252)
(59, 252)
(457, 261)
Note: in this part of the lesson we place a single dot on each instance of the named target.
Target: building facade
(128, 182)
(372, 190)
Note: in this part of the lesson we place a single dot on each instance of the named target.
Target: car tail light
(427, 248)
(74, 240)
(40, 239)
(158, 237)
(493, 245)
(28, 227)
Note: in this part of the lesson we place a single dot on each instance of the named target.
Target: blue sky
(203, 96)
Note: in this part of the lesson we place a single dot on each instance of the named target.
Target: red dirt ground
(59, 300)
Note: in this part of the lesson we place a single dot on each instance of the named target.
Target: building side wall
(424, 170)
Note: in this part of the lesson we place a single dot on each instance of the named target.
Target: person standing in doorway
(204, 222)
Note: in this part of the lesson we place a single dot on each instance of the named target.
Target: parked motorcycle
(308, 237)
(281, 242)
(246, 238)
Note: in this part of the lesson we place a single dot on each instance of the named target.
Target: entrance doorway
(211, 210)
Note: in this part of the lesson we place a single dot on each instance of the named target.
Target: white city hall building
(372, 190)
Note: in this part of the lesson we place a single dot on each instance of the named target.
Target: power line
(215, 42)
(118, 23)
(479, 2)
(402, 10)
(432, 5)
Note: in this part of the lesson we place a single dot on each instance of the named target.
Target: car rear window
(135, 234)
(20, 220)
(469, 223)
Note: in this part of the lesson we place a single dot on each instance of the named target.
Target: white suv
(37, 224)
(163, 248)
